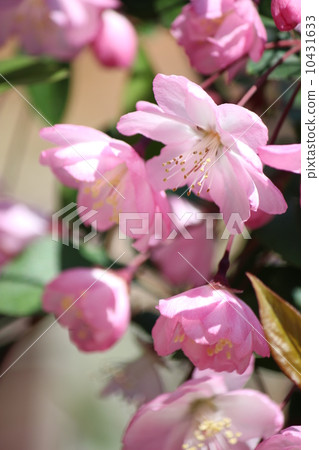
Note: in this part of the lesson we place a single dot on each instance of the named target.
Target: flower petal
(155, 124)
(283, 157)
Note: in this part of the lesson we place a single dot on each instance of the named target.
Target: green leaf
(24, 69)
(50, 99)
(168, 10)
(22, 281)
(282, 326)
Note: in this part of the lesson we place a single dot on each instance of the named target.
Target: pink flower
(287, 439)
(197, 246)
(211, 148)
(195, 417)
(58, 28)
(115, 44)
(282, 157)
(218, 33)
(19, 226)
(215, 329)
(92, 303)
(111, 179)
(286, 13)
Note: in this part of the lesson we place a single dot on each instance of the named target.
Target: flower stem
(288, 397)
(265, 76)
(281, 44)
(224, 264)
(284, 115)
(128, 272)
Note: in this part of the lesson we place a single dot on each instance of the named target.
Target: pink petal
(224, 182)
(271, 199)
(282, 157)
(179, 96)
(243, 125)
(65, 135)
(152, 122)
(262, 417)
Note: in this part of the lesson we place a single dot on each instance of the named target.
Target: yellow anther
(229, 434)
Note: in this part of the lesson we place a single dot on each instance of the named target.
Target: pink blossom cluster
(218, 152)
(62, 28)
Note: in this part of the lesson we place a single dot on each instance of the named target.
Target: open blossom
(115, 44)
(218, 33)
(213, 327)
(195, 417)
(57, 28)
(92, 303)
(19, 226)
(286, 14)
(211, 148)
(111, 179)
(287, 439)
(282, 157)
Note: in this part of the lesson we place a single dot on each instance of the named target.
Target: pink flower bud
(115, 44)
(214, 328)
(92, 303)
(216, 34)
(286, 13)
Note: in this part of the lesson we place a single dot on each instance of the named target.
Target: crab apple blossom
(282, 157)
(214, 328)
(216, 34)
(211, 148)
(195, 417)
(92, 303)
(287, 439)
(115, 44)
(286, 14)
(110, 177)
(57, 28)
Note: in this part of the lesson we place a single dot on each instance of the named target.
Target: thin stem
(264, 77)
(281, 44)
(284, 115)
(224, 264)
(288, 397)
(128, 272)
